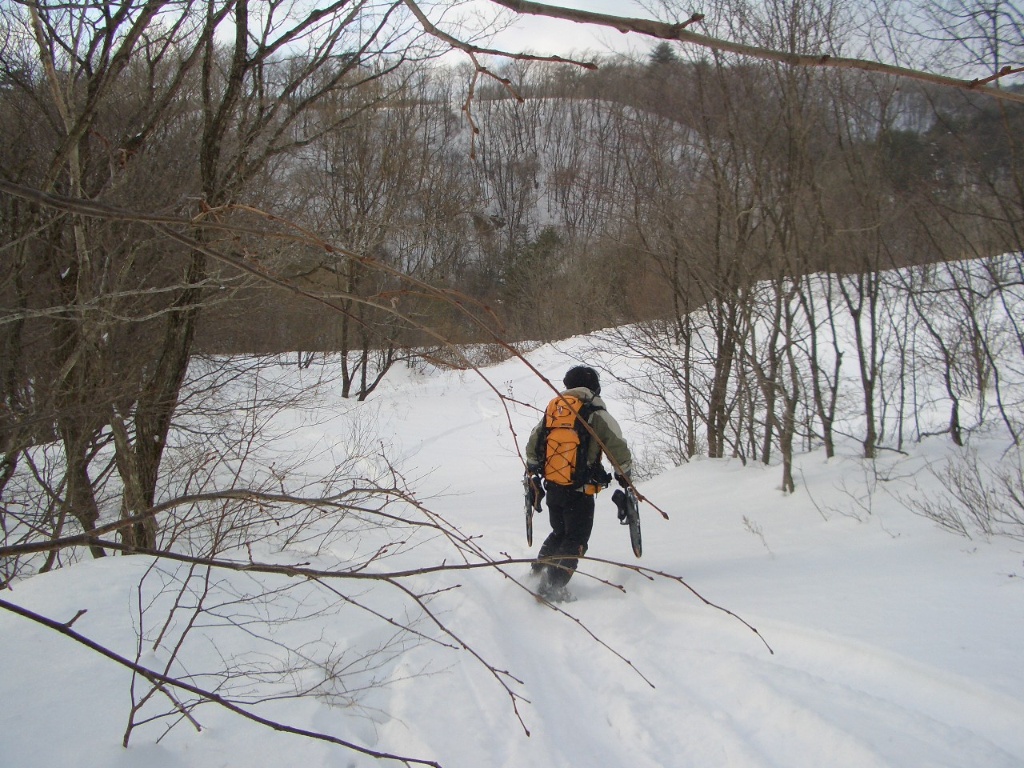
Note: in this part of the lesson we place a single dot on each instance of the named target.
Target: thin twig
(157, 678)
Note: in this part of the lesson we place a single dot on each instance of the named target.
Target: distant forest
(573, 200)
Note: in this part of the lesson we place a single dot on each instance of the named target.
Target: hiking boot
(558, 595)
(555, 593)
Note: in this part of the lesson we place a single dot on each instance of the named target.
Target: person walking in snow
(564, 455)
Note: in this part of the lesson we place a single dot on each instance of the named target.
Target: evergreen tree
(663, 53)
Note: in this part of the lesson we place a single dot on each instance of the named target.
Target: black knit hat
(582, 376)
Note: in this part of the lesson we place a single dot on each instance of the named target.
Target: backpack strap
(591, 478)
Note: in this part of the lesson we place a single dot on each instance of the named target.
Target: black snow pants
(571, 513)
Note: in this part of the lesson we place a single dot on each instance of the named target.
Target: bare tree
(371, 184)
(234, 108)
(972, 35)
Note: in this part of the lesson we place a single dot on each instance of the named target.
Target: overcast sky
(553, 36)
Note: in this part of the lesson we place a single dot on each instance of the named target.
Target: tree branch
(158, 679)
(664, 31)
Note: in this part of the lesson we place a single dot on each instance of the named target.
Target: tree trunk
(159, 397)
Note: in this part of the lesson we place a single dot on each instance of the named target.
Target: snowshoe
(534, 492)
(629, 514)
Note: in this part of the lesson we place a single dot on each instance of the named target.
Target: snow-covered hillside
(893, 643)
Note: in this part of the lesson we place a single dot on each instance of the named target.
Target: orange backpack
(566, 440)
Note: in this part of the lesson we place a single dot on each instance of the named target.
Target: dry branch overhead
(454, 42)
(682, 33)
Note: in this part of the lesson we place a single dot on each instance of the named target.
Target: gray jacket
(604, 426)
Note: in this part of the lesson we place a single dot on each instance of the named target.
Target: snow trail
(895, 644)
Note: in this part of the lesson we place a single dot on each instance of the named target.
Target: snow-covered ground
(893, 643)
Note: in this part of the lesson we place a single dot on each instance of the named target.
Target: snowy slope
(895, 643)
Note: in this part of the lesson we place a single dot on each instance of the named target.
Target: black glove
(599, 475)
(532, 468)
(623, 479)
(537, 486)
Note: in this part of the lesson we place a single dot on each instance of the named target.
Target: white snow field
(895, 643)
